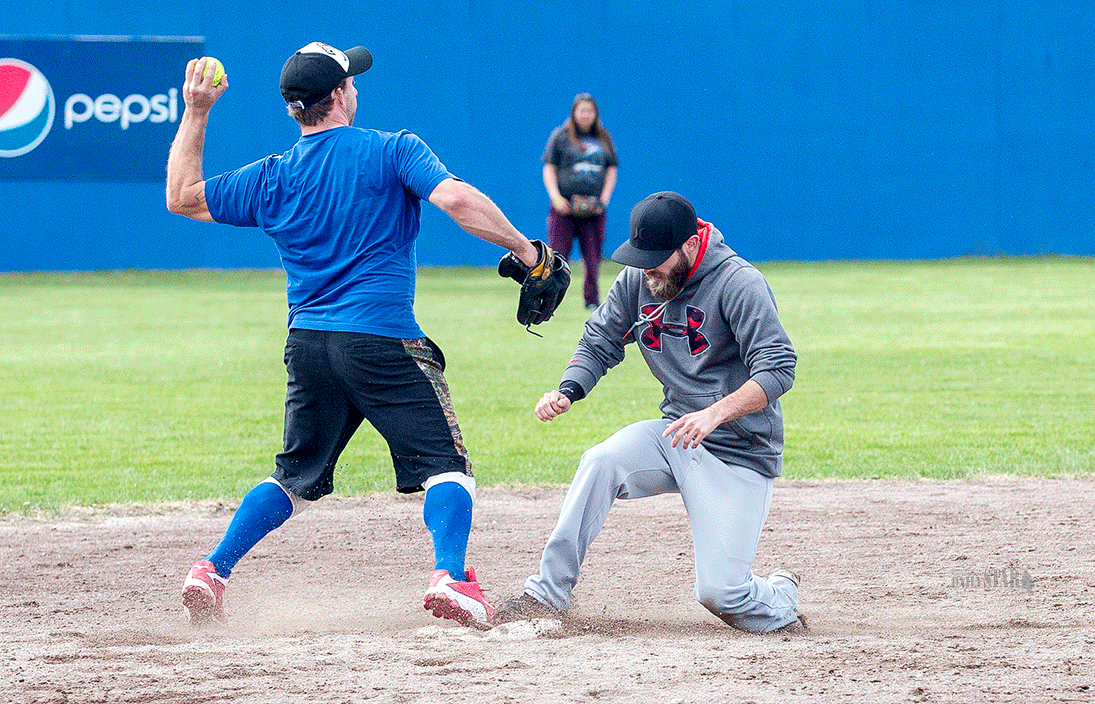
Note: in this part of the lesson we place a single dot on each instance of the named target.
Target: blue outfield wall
(804, 129)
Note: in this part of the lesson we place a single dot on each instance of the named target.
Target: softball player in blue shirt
(343, 207)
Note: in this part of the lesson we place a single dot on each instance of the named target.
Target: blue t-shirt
(343, 207)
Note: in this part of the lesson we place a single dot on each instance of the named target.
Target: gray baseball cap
(660, 223)
(315, 70)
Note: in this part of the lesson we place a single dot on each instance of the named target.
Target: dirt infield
(914, 591)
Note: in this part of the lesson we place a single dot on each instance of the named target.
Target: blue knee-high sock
(263, 509)
(447, 513)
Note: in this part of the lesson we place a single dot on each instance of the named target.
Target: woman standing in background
(579, 176)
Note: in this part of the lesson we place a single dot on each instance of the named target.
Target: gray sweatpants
(726, 505)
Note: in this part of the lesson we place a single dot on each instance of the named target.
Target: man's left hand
(542, 285)
(691, 428)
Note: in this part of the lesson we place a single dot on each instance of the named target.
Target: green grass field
(163, 386)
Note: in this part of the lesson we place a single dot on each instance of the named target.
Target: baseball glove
(542, 286)
(586, 206)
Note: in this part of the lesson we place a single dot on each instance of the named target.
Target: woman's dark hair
(597, 129)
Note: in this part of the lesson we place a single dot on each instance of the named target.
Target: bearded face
(665, 282)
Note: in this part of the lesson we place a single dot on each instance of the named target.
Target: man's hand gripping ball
(205, 83)
(218, 70)
(542, 286)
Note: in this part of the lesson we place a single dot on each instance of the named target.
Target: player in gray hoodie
(705, 321)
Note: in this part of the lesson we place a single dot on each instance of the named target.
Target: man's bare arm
(185, 183)
(477, 214)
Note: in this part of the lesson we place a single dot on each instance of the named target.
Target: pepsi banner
(90, 108)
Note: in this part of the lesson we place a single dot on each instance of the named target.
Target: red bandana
(704, 231)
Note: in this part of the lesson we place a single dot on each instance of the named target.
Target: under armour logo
(651, 337)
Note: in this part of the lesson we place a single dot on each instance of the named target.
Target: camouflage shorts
(338, 379)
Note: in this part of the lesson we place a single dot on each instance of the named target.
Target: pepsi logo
(27, 107)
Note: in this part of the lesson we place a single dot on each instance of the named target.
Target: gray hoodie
(719, 332)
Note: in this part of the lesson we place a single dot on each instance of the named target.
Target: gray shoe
(790, 576)
(798, 626)
(795, 628)
(525, 608)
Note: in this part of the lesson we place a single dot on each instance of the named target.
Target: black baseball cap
(310, 74)
(660, 223)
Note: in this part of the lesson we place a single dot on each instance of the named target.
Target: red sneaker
(203, 594)
(462, 602)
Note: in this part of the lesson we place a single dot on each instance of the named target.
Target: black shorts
(338, 379)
